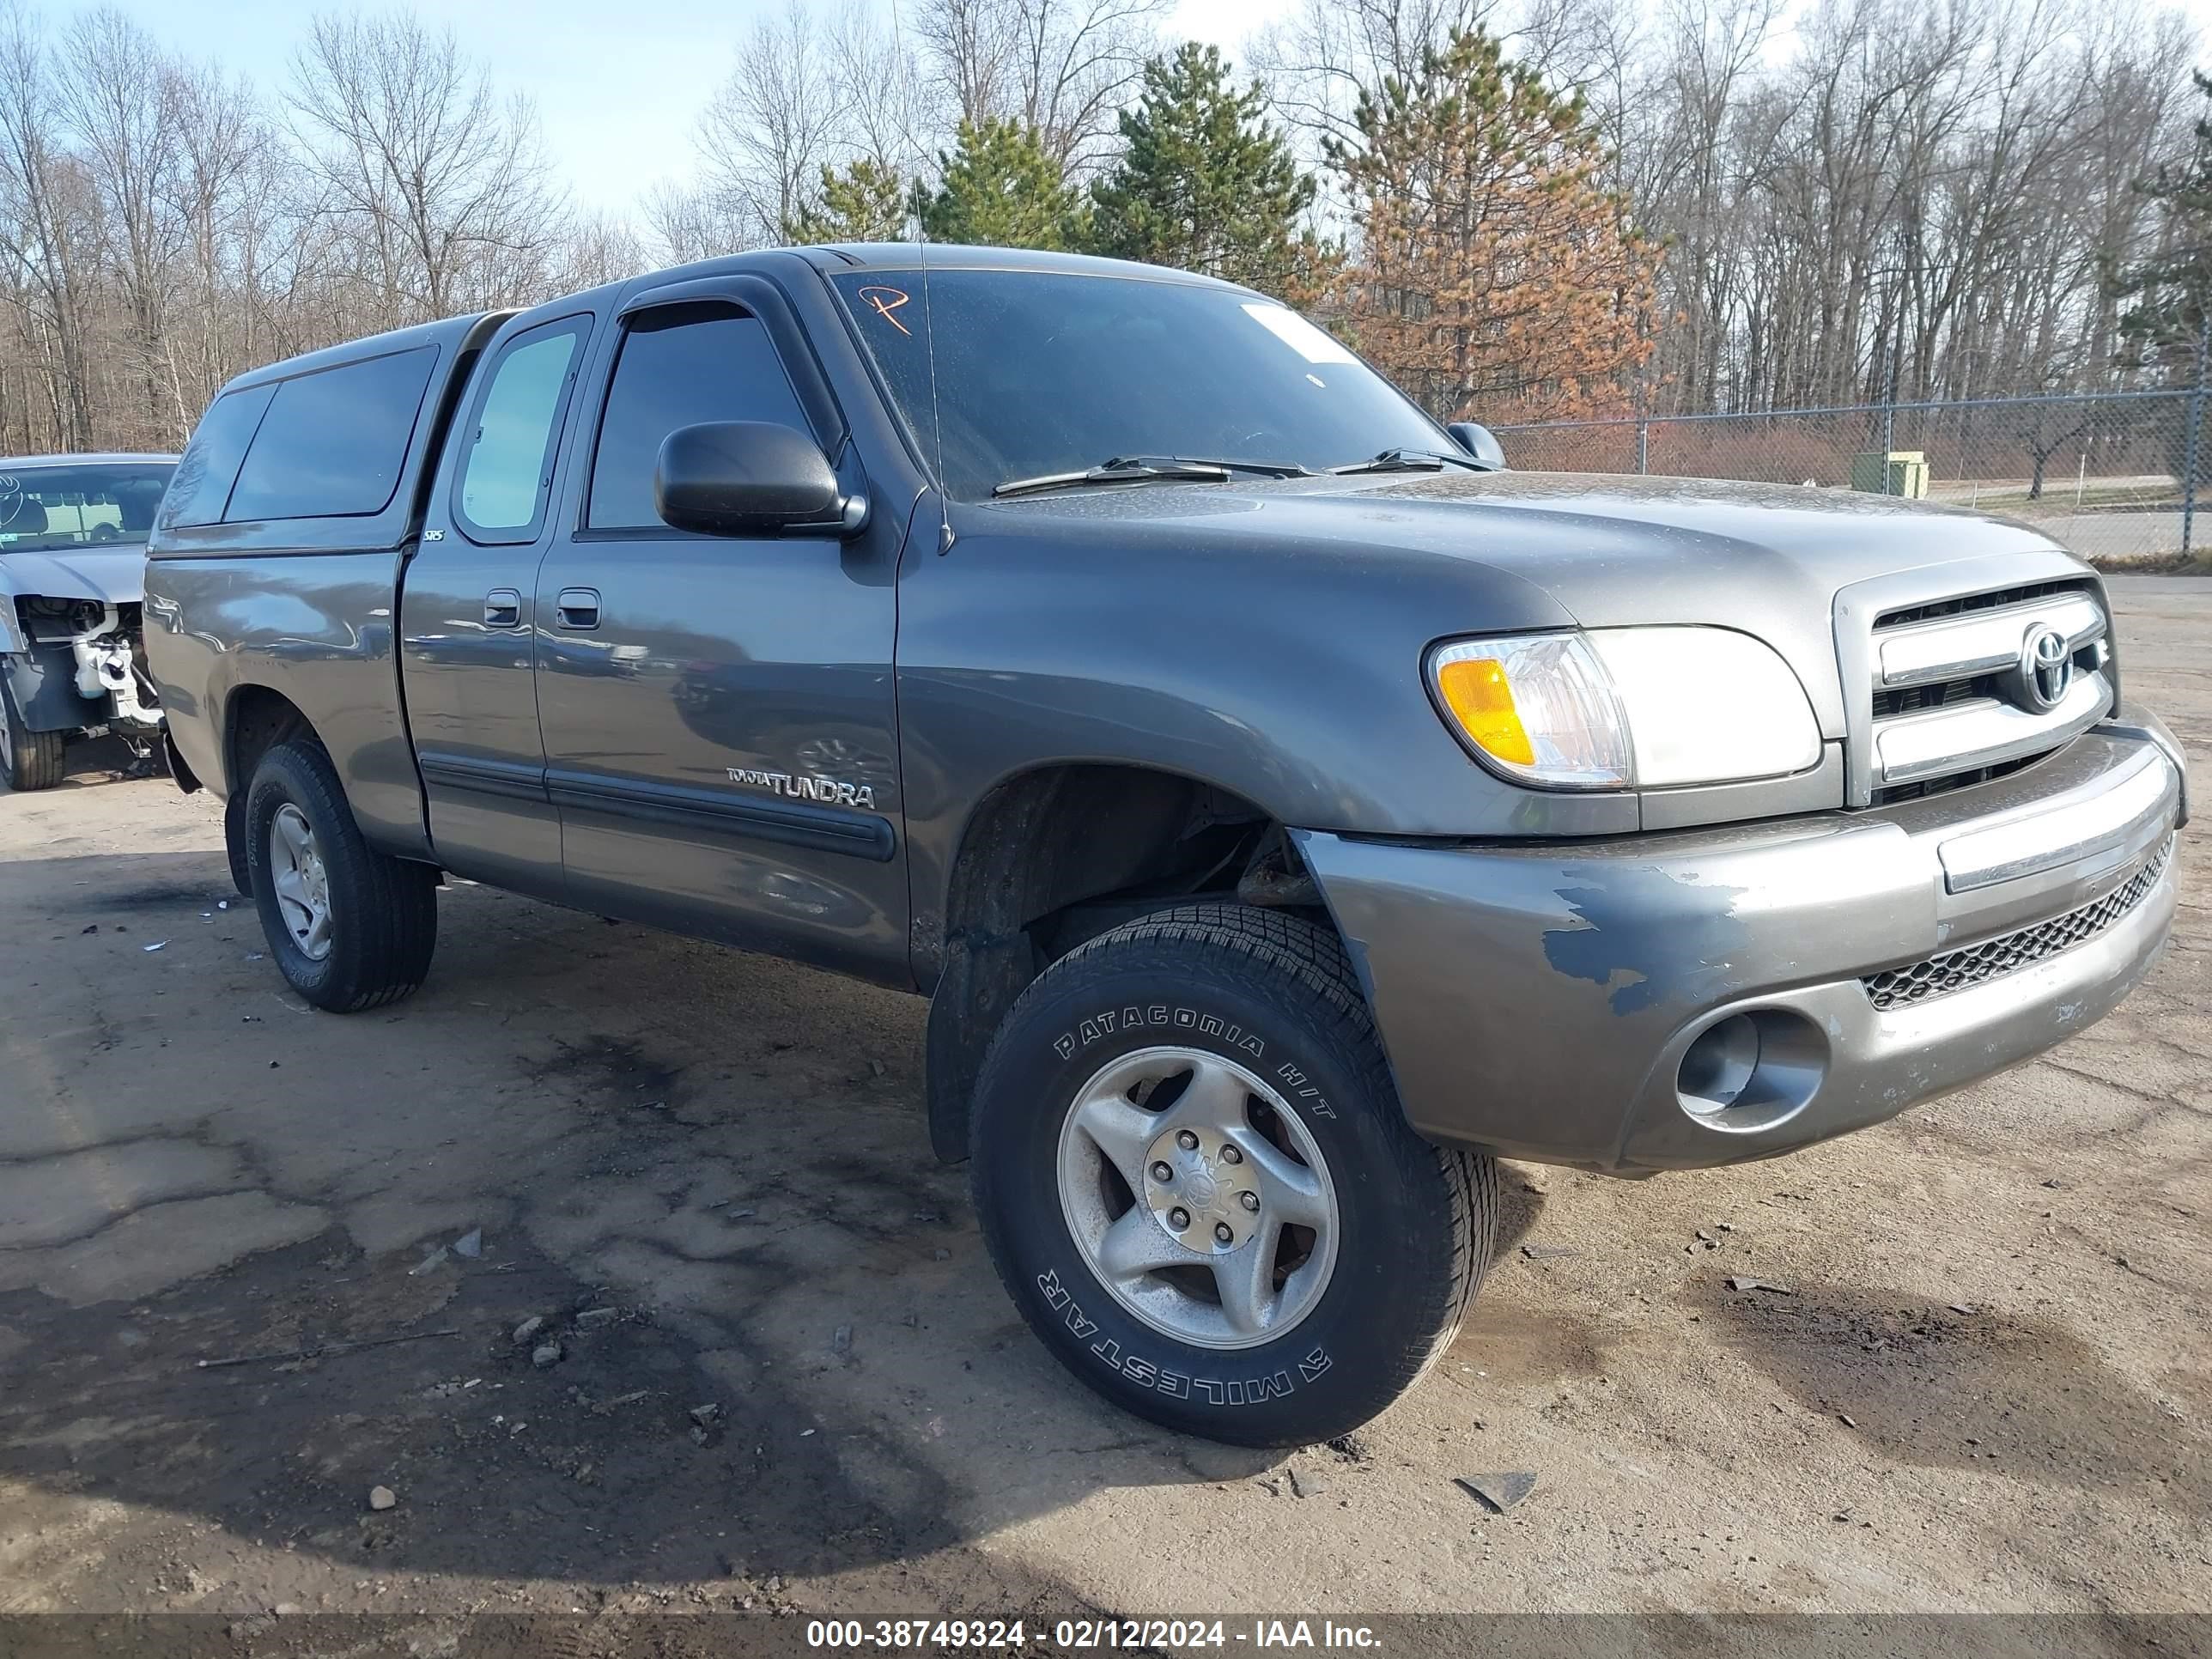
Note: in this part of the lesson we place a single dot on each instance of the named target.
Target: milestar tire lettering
(1147, 1373)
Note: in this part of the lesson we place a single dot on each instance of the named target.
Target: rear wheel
(234, 841)
(350, 928)
(1196, 1182)
(29, 760)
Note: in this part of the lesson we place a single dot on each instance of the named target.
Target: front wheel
(29, 760)
(1194, 1177)
(350, 928)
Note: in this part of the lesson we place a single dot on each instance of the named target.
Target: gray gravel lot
(1989, 1386)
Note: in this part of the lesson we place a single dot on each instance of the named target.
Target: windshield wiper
(1412, 461)
(1128, 469)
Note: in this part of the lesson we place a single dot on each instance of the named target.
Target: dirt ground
(707, 1175)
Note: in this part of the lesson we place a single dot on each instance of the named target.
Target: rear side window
(509, 473)
(333, 442)
(202, 485)
(680, 366)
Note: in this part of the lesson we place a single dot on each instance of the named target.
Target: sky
(618, 87)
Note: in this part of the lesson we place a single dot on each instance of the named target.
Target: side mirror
(750, 478)
(1480, 442)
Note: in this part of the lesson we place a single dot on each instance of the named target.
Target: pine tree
(867, 202)
(1495, 273)
(1002, 188)
(1204, 182)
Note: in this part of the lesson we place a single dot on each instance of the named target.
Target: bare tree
(124, 103)
(1063, 67)
(47, 230)
(1911, 200)
(892, 113)
(771, 128)
(439, 187)
(688, 223)
(160, 231)
(1319, 58)
(593, 249)
(1862, 199)
(225, 201)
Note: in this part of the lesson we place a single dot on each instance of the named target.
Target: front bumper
(1539, 1001)
(43, 682)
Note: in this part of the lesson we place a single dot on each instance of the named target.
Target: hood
(1603, 552)
(114, 574)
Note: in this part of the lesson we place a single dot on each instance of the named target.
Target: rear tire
(233, 839)
(29, 760)
(1256, 1092)
(350, 928)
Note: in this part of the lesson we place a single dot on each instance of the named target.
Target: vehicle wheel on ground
(349, 927)
(29, 760)
(233, 839)
(1194, 1178)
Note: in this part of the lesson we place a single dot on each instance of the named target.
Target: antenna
(928, 321)
(929, 332)
(929, 349)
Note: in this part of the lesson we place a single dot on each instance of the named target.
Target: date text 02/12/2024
(1086, 1634)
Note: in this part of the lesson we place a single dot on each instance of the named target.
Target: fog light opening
(1719, 1064)
(1751, 1070)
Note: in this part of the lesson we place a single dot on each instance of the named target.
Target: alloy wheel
(1199, 1197)
(301, 883)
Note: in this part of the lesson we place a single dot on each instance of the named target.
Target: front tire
(349, 927)
(29, 760)
(1195, 1181)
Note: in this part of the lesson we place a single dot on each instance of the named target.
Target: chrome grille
(1935, 694)
(1948, 702)
(1893, 793)
(1955, 970)
(1937, 609)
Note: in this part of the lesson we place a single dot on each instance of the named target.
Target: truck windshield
(46, 508)
(1045, 372)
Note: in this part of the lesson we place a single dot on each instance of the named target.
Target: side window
(333, 442)
(209, 467)
(679, 365)
(508, 474)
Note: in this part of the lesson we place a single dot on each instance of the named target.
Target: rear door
(719, 728)
(468, 614)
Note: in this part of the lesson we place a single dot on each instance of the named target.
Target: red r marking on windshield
(884, 307)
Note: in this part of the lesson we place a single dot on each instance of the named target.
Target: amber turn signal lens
(1481, 698)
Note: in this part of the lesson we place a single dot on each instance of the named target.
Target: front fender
(13, 642)
(1286, 674)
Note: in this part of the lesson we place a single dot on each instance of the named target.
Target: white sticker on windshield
(1315, 345)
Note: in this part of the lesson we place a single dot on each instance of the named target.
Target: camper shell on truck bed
(1286, 810)
(335, 494)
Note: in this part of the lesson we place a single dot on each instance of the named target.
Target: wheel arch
(1055, 853)
(256, 718)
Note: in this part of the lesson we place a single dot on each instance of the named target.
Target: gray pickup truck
(1286, 809)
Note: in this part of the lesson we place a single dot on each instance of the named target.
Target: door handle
(502, 608)
(578, 607)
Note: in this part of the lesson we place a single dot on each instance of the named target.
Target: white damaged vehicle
(72, 581)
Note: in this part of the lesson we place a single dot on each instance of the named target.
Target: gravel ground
(1990, 1386)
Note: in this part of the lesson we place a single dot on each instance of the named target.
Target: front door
(719, 729)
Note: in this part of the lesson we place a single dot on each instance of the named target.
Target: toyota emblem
(2046, 670)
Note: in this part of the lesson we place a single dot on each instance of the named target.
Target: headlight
(1626, 707)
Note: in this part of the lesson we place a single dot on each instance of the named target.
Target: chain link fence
(2122, 478)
